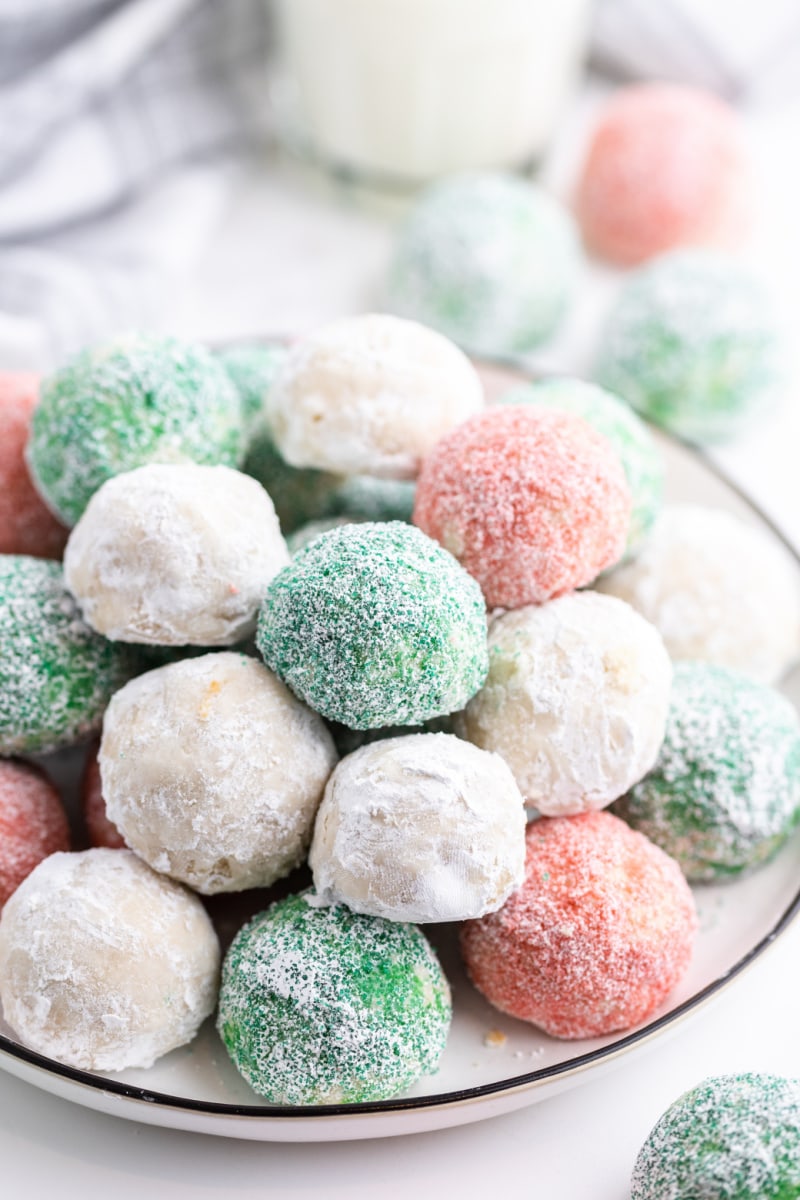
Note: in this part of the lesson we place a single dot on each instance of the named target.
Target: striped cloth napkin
(121, 120)
(748, 52)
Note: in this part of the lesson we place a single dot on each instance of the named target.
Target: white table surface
(288, 257)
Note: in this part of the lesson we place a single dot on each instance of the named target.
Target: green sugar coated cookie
(615, 420)
(724, 793)
(324, 1006)
(488, 259)
(57, 674)
(734, 1137)
(692, 344)
(375, 625)
(137, 400)
(252, 369)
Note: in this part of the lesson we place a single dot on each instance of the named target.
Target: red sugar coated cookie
(101, 831)
(532, 502)
(600, 931)
(33, 823)
(665, 168)
(26, 525)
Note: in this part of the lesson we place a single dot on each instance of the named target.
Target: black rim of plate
(464, 1095)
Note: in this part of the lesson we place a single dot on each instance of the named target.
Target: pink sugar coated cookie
(33, 823)
(597, 936)
(665, 168)
(532, 502)
(26, 525)
(101, 831)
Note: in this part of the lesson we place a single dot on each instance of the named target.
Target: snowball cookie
(26, 525)
(139, 399)
(375, 625)
(724, 793)
(615, 420)
(666, 167)
(733, 1137)
(213, 772)
(692, 343)
(419, 828)
(717, 589)
(33, 823)
(600, 932)
(489, 259)
(175, 555)
(370, 395)
(532, 502)
(104, 964)
(325, 1006)
(576, 700)
(57, 674)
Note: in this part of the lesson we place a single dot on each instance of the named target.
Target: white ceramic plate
(492, 1064)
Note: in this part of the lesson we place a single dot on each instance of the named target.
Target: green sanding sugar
(724, 793)
(325, 1006)
(734, 1137)
(137, 400)
(489, 259)
(56, 674)
(252, 369)
(616, 421)
(692, 344)
(376, 625)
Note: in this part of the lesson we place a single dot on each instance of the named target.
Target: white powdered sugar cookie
(717, 589)
(576, 700)
(370, 395)
(419, 828)
(103, 963)
(175, 554)
(212, 771)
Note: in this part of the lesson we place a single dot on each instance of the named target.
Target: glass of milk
(400, 91)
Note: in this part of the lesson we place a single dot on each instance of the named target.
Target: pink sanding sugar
(532, 502)
(26, 524)
(599, 933)
(33, 823)
(665, 168)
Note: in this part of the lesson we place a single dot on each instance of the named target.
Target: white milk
(412, 89)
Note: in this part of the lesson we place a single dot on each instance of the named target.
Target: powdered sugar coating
(575, 701)
(212, 771)
(724, 793)
(532, 502)
(615, 420)
(139, 399)
(26, 524)
(175, 555)
(717, 589)
(58, 674)
(104, 964)
(490, 260)
(375, 624)
(733, 1137)
(597, 936)
(33, 823)
(419, 828)
(320, 1005)
(665, 167)
(692, 343)
(370, 395)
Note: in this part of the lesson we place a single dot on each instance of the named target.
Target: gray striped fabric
(101, 102)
